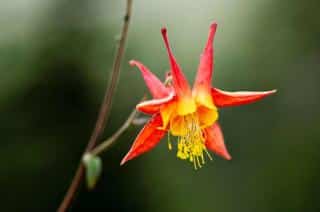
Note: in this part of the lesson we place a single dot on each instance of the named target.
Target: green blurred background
(55, 60)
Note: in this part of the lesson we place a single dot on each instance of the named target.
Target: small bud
(93, 166)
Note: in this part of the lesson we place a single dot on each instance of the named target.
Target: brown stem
(103, 114)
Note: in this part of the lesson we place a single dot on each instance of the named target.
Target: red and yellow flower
(189, 114)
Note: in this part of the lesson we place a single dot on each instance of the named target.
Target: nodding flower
(190, 114)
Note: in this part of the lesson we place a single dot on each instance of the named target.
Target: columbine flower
(190, 115)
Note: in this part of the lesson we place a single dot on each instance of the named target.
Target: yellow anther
(169, 142)
(191, 145)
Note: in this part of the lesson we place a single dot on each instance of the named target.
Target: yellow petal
(186, 106)
(167, 111)
(203, 98)
(207, 116)
(178, 126)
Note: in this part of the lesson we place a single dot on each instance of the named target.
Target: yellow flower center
(191, 141)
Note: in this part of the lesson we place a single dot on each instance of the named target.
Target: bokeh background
(55, 61)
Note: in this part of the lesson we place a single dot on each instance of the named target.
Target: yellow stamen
(191, 145)
(169, 142)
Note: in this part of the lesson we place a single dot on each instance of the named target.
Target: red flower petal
(156, 87)
(147, 139)
(153, 106)
(224, 98)
(205, 69)
(215, 141)
(180, 82)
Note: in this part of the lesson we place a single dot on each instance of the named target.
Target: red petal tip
(267, 93)
(214, 25)
(165, 38)
(124, 160)
(224, 154)
(227, 156)
(163, 31)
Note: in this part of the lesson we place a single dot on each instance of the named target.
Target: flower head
(189, 114)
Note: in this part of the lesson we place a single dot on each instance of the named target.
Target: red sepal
(215, 141)
(180, 82)
(205, 69)
(224, 98)
(147, 139)
(156, 87)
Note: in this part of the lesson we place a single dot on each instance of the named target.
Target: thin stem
(103, 114)
(107, 101)
(107, 143)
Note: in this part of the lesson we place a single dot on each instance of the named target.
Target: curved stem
(103, 114)
(107, 143)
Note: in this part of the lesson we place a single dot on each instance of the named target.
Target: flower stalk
(105, 145)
